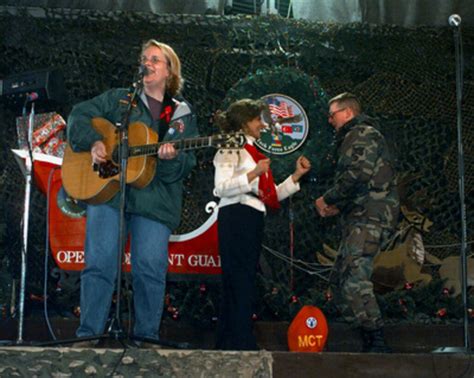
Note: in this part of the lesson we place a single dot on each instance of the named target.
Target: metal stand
(291, 217)
(28, 173)
(27, 170)
(455, 22)
(115, 329)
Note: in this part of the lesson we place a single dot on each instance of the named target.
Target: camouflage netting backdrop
(406, 77)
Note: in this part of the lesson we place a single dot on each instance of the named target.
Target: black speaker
(46, 86)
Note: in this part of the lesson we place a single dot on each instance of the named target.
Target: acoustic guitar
(98, 183)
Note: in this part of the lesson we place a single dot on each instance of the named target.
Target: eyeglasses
(332, 114)
(154, 59)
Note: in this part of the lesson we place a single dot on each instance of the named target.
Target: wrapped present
(47, 134)
(54, 146)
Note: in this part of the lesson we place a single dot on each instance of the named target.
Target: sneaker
(145, 345)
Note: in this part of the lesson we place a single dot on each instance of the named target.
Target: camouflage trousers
(350, 282)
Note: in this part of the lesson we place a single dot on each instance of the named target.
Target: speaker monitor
(48, 84)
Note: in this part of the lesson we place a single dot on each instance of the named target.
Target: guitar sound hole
(106, 170)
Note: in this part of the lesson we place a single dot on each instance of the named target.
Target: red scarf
(266, 186)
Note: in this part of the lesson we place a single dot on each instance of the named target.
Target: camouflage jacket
(364, 189)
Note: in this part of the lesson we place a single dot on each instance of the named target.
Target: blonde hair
(174, 83)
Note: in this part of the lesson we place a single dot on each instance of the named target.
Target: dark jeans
(240, 230)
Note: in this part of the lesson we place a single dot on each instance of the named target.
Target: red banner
(192, 253)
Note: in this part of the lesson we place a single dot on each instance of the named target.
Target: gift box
(48, 134)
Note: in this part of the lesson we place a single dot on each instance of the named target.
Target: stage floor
(413, 355)
(271, 336)
(133, 362)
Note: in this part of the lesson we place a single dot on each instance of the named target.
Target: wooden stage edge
(413, 356)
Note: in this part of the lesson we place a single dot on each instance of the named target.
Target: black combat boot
(374, 341)
(366, 340)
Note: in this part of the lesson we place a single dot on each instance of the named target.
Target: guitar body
(80, 180)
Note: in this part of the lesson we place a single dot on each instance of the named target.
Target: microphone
(454, 20)
(30, 97)
(143, 70)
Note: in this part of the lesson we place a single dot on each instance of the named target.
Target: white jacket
(231, 184)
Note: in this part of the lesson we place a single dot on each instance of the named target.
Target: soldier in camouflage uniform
(364, 194)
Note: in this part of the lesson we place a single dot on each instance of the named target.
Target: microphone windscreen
(143, 70)
(454, 20)
(33, 96)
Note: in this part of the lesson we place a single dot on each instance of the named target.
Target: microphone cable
(46, 256)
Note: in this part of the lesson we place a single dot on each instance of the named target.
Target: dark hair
(347, 100)
(238, 114)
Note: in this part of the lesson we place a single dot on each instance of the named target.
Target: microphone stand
(115, 328)
(459, 95)
(28, 172)
(455, 21)
(291, 218)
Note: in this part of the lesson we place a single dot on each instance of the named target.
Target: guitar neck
(180, 144)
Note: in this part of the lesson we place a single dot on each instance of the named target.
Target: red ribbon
(266, 186)
(166, 113)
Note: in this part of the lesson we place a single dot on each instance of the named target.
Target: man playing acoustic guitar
(152, 211)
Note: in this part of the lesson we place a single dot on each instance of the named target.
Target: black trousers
(240, 231)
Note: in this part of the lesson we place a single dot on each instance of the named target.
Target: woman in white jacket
(244, 183)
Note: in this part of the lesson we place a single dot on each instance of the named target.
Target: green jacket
(365, 186)
(160, 200)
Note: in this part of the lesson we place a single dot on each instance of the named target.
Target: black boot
(374, 341)
(366, 340)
